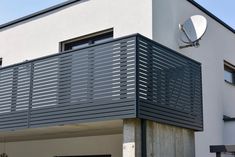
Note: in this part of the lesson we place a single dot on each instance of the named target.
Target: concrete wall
(169, 141)
(216, 45)
(92, 145)
(41, 36)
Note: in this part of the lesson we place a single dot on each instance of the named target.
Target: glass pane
(84, 42)
(228, 76)
(103, 40)
(80, 46)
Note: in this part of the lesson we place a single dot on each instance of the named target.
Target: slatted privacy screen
(129, 77)
(169, 86)
(89, 84)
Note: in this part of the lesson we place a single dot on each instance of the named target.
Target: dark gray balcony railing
(129, 77)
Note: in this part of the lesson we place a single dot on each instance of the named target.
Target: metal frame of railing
(223, 149)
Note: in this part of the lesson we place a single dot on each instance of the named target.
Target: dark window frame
(86, 39)
(229, 68)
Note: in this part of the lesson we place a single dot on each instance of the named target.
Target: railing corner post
(137, 73)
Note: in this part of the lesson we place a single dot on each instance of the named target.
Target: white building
(31, 120)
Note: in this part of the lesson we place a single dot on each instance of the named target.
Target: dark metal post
(14, 89)
(91, 68)
(123, 69)
(137, 73)
(0, 62)
(30, 91)
(218, 154)
(64, 87)
(150, 78)
(143, 138)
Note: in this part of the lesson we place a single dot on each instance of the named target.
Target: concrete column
(189, 143)
(131, 138)
(169, 141)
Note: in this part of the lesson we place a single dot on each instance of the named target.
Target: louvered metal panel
(89, 84)
(129, 77)
(169, 86)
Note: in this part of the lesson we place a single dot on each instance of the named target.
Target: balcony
(128, 77)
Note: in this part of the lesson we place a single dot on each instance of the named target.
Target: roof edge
(211, 15)
(61, 5)
(39, 13)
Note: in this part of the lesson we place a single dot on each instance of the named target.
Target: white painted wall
(157, 19)
(41, 36)
(92, 145)
(216, 45)
(229, 96)
(229, 129)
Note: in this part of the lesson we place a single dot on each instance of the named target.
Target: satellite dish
(192, 30)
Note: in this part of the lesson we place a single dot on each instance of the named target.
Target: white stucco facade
(216, 46)
(41, 36)
(156, 19)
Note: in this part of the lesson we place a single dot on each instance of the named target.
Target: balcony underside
(64, 131)
(129, 77)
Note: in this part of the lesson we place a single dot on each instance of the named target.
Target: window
(229, 72)
(87, 40)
